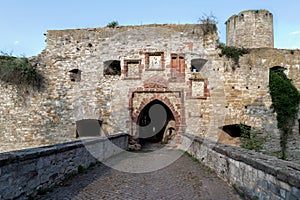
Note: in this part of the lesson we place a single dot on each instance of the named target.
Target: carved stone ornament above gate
(156, 82)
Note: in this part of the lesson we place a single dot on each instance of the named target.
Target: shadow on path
(183, 179)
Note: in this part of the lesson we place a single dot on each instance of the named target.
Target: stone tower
(250, 29)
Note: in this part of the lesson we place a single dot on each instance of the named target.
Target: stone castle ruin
(111, 79)
(250, 29)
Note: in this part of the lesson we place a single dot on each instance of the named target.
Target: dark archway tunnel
(153, 122)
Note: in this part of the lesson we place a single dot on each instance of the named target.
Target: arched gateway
(156, 123)
(157, 111)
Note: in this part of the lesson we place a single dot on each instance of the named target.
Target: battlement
(250, 29)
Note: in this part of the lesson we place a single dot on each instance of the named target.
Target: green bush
(113, 24)
(20, 72)
(251, 139)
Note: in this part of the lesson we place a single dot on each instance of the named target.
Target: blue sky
(23, 22)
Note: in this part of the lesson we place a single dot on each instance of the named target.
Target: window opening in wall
(88, 128)
(234, 130)
(276, 68)
(242, 17)
(112, 67)
(75, 75)
(197, 64)
(194, 69)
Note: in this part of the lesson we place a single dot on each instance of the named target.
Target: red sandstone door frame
(177, 108)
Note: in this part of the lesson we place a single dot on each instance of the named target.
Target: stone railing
(23, 173)
(253, 174)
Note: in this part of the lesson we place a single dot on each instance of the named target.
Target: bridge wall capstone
(25, 172)
(252, 174)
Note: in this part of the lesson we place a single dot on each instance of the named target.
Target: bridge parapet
(251, 173)
(24, 172)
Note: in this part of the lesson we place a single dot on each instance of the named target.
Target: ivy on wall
(285, 101)
(233, 53)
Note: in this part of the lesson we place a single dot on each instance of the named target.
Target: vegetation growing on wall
(113, 24)
(285, 99)
(19, 72)
(209, 24)
(233, 53)
(251, 139)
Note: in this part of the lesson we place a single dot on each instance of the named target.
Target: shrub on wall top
(209, 24)
(113, 24)
(20, 72)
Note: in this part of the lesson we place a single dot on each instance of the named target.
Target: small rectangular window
(75, 75)
(112, 67)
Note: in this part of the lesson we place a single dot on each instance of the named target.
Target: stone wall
(90, 48)
(25, 172)
(254, 175)
(93, 95)
(259, 113)
(250, 29)
(155, 64)
(240, 94)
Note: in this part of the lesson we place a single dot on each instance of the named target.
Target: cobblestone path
(183, 179)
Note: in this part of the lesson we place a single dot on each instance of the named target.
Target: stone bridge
(71, 171)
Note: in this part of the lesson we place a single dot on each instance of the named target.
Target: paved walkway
(182, 179)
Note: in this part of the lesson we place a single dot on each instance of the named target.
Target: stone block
(295, 192)
(262, 183)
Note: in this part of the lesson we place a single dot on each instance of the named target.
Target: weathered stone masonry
(156, 63)
(23, 173)
(105, 97)
(255, 175)
(250, 29)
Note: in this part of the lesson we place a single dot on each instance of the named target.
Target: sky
(24, 22)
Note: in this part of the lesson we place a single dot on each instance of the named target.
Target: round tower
(250, 29)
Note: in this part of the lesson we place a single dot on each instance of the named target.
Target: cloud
(294, 33)
(16, 42)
